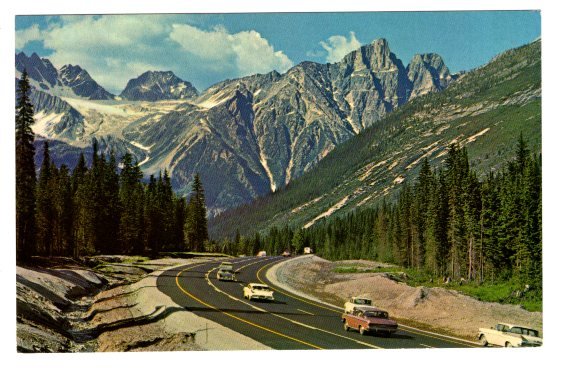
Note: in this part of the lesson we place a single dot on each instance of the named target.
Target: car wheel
(508, 345)
(361, 330)
(483, 341)
(346, 327)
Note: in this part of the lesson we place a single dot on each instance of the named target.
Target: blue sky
(207, 48)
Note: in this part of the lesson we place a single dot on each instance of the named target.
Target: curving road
(291, 322)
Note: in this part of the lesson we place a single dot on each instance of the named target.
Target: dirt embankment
(113, 307)
(438, 309)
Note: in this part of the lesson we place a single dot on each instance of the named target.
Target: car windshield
(379, 314)
(261, 287)
(362, 301)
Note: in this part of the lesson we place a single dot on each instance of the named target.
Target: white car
(225, 275)
(357, 302)
(258, 291)
(509, 335)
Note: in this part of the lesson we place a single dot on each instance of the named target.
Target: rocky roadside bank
(435, 309)
(113, 305)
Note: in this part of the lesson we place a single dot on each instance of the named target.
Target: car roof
(517, 326)
(365, 308)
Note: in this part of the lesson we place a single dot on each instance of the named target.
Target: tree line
(448, 224)
(104, 208)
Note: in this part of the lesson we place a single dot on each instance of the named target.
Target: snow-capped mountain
(248, 136)
(82, 84)
(157, 85)
(68, 81)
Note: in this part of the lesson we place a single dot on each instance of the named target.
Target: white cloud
(246, 52)
(27, 35)
(339, 46)
(116, 48)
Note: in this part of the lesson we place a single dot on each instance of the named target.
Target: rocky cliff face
(156, 85)
(249, 136)
(427, 73)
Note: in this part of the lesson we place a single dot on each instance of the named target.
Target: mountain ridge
(485, 111)
(249, 136)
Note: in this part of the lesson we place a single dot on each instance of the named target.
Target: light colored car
(225, 275)
(509, 335)
(226, 266)
(257, 291)
(356, 302)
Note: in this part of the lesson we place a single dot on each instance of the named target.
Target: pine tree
(64, 209)
(45, 205)
(25, 174)
(84, 212)
(297, 241)
(196, 227)
(131, 230)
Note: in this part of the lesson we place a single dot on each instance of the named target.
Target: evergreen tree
(84, 212)
(297, 241)
(25, 173)
(63, 211)
(196, 227)
(45, 205)
(131, 230)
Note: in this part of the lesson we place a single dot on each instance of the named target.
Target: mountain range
(246, 137)
(485, 111)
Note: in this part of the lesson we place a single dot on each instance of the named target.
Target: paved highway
(291, 322)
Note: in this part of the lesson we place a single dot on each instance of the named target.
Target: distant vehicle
(226, 266)
(261, 254)
(225, 275)
(307, 250)
(356, 302)
(286, 254)
(369, 319)
(258, 291)
(509, 335)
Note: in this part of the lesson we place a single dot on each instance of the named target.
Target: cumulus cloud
(116, 48)
(338, 46)
(27, 35)
(246, 52)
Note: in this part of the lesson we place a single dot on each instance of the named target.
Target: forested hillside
(485, 111)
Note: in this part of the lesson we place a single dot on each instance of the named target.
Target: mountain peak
(428, 73)
(158, 85)
(80, 81)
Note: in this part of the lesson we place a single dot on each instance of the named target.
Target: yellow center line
(411, 330)
(236, 317)
(284, 317)
(309, 326)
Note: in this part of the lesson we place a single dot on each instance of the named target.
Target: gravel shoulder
(434, 309)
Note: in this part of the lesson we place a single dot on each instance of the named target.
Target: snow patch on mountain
(44, 123)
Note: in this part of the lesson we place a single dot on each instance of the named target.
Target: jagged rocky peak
(68, 81)
(374, 56)
(38, 69)
(428, 73)
(158, 85)
(80, 81)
